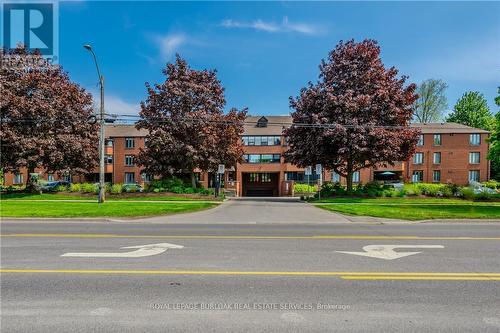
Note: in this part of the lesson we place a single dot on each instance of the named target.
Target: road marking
(142, 251)
(438, 278)
(251, 237)
(387, 252)
(343, 275)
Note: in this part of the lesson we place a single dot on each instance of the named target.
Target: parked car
(132, 188)
(51, 186)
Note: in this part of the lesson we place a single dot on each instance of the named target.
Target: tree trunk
(349, 177)
(193, 180)
(31, 186)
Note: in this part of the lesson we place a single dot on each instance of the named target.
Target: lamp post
(102, 191)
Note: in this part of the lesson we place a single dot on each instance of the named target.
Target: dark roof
(445, 128)
(122, 130)
(275, 126)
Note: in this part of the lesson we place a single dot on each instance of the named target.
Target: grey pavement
(256, 210)
(261, 276)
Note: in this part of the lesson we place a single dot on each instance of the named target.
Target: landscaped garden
(80, 200)
(417, 201)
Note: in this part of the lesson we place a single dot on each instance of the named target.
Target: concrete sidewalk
(256, 211)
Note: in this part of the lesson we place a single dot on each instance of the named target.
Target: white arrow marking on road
(387, 251)
(142, 251)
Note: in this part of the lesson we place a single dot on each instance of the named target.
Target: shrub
(116, 188)
(76, 187)
(412, 189)
(175, 185)
(467, 193)
(493, 184)
(329, 189)
(304, 188)
(89, 188)
(61, 188)
(484, 196)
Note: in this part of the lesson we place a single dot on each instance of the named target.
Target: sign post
(319, 172)
(220, 172)
(308, 173)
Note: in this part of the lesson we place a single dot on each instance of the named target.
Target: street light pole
(102, 191)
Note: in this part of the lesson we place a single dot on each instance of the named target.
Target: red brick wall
(454, 165)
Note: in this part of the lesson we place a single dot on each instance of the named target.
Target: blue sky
(266, 51)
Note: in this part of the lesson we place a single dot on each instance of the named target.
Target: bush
(329, 189)
(116, 188)
(11, 188)
(175, 185)
(467, 193)
(89, 188)
(412, 189)
(493, 184)
(61, 188)
(76, 187)
(304, 188)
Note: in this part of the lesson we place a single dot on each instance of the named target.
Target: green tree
(494, 154)
(472, 110)
(431, 102)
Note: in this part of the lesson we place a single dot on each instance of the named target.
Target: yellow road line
(250, 237)
(343, 275)
(439, 278)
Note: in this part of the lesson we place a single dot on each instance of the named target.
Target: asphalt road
(244, 277)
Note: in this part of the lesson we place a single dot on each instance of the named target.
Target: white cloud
(273, 27)
(170, 44)
(116, 105)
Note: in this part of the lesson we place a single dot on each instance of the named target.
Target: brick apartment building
(446, 153)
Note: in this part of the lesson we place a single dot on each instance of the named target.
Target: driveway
(256, 211)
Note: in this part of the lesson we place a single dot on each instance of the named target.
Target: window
(254, 177)
(417, 176)
(436, 158)
(474, 157)
(274, 140)
(67, 177)
(355, 177)
(129, 160)
(262, 122)
(262, 158)
(335, 177)
(473, 175)
(475, 139)
(436, 176)
(437, 139)
(50, 177)
(109, 143)
(418, 158)
(129, 143)
(129, 177)
(265, 177)
(147, 177)
(18, 178)
(420, 140)
(108, 159)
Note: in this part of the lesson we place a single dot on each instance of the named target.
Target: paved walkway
(256, 211)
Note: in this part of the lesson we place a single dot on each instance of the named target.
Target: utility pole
(102, 189)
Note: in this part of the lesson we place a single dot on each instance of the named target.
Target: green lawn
(19, 208)
(115, 197)
(413, 209)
